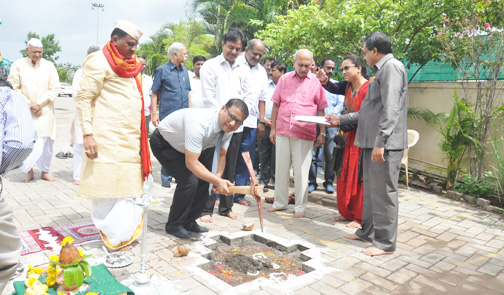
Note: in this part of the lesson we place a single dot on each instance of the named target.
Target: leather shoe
(178, 231)
(329, 188)
(195, 227)
(311, 188)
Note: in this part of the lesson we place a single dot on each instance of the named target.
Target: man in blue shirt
(17, 137)
(171, 88)
(335, 103)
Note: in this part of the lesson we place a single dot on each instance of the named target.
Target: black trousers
(226, 201)
(191, 193)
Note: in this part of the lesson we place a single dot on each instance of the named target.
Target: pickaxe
(255, 189)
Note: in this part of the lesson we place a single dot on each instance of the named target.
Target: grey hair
(174, 47)
(297, 51)
(92, 48)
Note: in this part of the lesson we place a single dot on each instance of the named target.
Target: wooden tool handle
(239, 190)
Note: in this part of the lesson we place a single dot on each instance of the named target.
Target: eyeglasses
(233, 117)
(345, 68)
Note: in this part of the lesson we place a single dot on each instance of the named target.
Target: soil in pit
(251, 260)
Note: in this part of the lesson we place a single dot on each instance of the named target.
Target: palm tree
(218, 16)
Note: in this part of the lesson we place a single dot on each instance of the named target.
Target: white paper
(312, 119)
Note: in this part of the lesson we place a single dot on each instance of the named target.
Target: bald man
(297, 93)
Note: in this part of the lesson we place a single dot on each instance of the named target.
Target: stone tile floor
(444, 246)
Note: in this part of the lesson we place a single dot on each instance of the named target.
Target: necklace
(354, 93)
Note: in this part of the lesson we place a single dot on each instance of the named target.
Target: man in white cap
(37, 79)
(111, 108)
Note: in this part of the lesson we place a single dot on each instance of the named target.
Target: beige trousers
(298, 153)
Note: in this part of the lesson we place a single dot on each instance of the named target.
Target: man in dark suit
(382, 136)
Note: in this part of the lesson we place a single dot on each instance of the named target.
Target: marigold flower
(54, 257)
(67, 240)
(50, 281)
(31, 281)
(81, 252)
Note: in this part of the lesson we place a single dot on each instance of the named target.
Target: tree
(66, 72)
(155, 51)
(475, 49)
(218, 16)
(51, 46)
(337, 27)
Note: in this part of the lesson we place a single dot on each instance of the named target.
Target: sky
(74, 23)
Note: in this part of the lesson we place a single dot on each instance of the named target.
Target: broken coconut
(181, 251)
(248, 226)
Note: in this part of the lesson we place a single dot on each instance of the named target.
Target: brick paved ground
(444, 246)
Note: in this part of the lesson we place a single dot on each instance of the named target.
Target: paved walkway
(444, 246)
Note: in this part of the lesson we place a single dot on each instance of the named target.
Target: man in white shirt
(184, 143)
(266, 149)
(37, 79)
(76, 130)
(146, 89)
(258, 76)
(222, 78)
(195, 99)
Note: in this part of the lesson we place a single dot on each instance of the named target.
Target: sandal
(269, 200)
(69, 155)
(61, 155)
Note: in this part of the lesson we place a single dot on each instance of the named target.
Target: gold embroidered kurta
(110, 108)
(38, 83)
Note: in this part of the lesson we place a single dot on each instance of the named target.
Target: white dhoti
(41, 155)
(119, 221)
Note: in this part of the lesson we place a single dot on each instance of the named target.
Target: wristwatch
(323, 134)
(262, 122)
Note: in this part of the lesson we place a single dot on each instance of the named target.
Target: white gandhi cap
(35, 42)
(129, 28)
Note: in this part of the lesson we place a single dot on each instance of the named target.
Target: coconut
(68, 254)
(181, 251)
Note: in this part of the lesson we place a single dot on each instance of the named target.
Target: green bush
(471, 186)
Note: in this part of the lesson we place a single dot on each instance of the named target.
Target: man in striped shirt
(17, 137)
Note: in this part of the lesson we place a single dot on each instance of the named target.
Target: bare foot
(274, 209)
(232, 215)
(299, 215)
(373, 251)
(339, 218)
(29, 177)
(217, 203)
(206, 218)
(47, 176)
(353, 224)
(125, 248)
(76, 182)
(355, 237)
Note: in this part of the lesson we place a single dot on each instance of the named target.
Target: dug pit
(244, 259)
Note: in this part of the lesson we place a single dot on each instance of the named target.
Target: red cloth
(130, 68)
(348, 189)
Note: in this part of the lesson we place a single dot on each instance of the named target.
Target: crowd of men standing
(233, 103)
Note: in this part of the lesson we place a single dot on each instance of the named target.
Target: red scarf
(129, 68)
